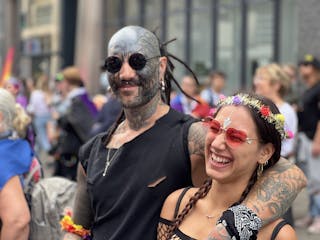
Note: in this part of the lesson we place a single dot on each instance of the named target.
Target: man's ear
(162, 66)
(266, 152)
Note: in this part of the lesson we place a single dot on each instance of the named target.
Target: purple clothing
(176, 103)
(22, 100)
(90, 105)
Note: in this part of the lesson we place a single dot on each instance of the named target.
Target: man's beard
(147, 90)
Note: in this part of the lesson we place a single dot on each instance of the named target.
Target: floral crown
(276, 119)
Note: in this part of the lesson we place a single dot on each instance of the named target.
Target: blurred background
(235, 36)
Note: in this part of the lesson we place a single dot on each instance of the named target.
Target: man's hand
(71, 236)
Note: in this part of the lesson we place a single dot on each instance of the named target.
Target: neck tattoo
(139, 118)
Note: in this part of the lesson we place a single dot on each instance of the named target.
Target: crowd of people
(151, 167)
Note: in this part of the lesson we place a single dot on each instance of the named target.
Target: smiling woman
(244, 139)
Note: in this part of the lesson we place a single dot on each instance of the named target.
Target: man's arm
(271, 196)
(196, 143)
(82, 213)
(275, 191)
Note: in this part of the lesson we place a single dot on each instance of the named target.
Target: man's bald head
(133, 39)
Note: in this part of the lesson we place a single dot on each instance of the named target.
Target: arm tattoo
(196, 143)
(275, 191)
(196, 139)
(219, 233)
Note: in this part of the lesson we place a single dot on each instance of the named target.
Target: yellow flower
(280, 118)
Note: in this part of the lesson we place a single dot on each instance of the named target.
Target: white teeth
(219, 159)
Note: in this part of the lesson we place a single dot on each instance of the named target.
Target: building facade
(234, 36)
(40, 37)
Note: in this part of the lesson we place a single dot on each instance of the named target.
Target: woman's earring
(163, 85)
(260, 170)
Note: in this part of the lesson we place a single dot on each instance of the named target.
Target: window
(43, 15)
(176, 29)
(229, 33)
(201, 37)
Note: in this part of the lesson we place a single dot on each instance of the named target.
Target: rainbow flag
(6, 71)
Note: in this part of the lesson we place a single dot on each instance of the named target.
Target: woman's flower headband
(276, 119)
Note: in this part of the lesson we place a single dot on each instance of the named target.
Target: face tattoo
(140, 48)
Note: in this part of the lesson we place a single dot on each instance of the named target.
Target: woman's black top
(165, 224)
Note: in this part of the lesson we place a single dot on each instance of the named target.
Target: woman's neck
(223, 195)
(277, 100)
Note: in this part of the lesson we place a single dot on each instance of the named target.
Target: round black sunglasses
(137, 61)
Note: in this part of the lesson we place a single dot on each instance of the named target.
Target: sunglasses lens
(137, 61)
(235, 137)
(215, 126)
(113, 64)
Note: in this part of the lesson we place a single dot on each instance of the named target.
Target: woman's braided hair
(201, 193)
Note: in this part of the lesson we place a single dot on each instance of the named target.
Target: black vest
(127, 201)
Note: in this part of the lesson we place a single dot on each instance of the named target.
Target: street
(300, 207)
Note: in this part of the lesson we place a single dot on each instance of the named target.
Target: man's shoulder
(182, 117)
(95, 141)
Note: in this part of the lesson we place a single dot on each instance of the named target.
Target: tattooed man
(152, 150)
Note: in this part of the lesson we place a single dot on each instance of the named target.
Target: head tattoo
(135, 39)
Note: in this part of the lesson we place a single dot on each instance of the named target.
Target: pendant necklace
(109, 160)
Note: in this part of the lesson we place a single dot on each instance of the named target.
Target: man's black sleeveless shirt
(127, 201)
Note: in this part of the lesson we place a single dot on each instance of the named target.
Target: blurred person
(39, 108)
(16, 158)
(99, 100)
(273, 82)
(58, 108)
(14, 86)
(29, 87)
(74, 124)
(194, 106)
(214, 93)
(241, 144)
(309, 138)
(107, 116)
(151, 151)
(296, 87)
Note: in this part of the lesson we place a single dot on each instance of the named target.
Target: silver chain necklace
(108, 160)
